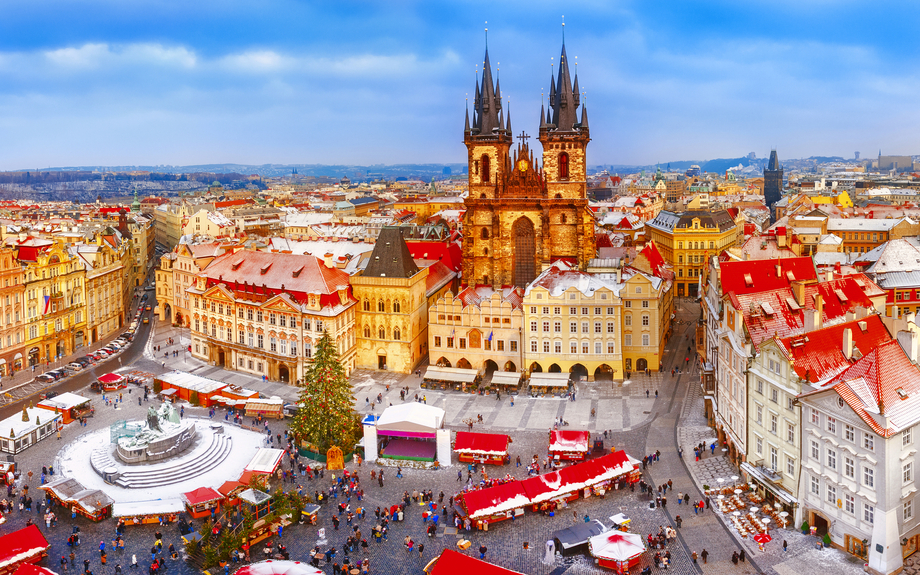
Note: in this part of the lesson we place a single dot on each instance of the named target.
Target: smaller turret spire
(508, 119)
(466, 127)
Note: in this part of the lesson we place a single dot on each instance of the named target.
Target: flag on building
(47, 304)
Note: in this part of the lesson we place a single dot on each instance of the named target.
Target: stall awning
(487, 443)
(170, 391)
(111, 378)
(202, 495)
(569, 440)
(492, 500)
(265, 461)
(549, 379)
(453, 563)
(506, 378)
(22, 546)
(578, 534)
(154, 507)
(759, 476)
(455, 374)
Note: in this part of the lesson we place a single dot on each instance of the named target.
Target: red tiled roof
(871, 386)
(437, 273)
(447, 252)
(297, 275)
(654, 257)
(818, 355)
(476, 295)
(481, 442)
(231, 203)
(747, 276)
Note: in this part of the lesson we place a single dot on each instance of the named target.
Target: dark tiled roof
(391, 257)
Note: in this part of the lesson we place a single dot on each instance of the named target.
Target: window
(584, 348)
(611, 348)
(533, 309)
(584, 327)
(259, 315)
(627, 340)
(557, 347)
(545, 327)
(758, 414)
(849, 432)
(758, 442)
(563, 166)
(832, 425)
(759, 386)
(815, 450)
(597, 310)
(609, 311)
(545, 347)
(437, 341)
(272, 318)
(573, 327)
(462, 343)
(626, 303)
(774, 458)
(815, 486)
(868, 441)
(815, 418)
(597, 327)
(598, 347)
(790, 432)
(533, 326)
(381, 306)
(645, 319)
(790, 466)
(260, 341)
(308, 350)
(319, 325)
(868, 476)
(533, 345)
(831, 494)
(790, 403)
(849, 503)
(573, 347)
(396, 307)
(283, 321)
(868, 513)
(557, 327)
(907, 510)
(242, 337)
(573, 310)
(849, 467)
(610, 327)
(545, 310)
(645, 339)
(396, 333)
(501, 345)
(485, 174)
(367, 306)
(514, 345)
(774, 422)
(557, 310)
(907, 472)
(627, 320)
(906, 437)
(584, 311)
(832, 458)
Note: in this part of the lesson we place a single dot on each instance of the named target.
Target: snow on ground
(74, 461)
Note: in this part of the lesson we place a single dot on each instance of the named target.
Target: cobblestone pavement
(638, 424)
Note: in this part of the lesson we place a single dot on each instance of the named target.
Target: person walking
(784, 545)
(705, 555)
(742, 556)
(482, 551)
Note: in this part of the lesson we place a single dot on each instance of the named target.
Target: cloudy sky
(115, 82)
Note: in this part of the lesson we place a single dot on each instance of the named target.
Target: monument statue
(153, 419)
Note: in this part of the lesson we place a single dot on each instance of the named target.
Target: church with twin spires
(522, 217)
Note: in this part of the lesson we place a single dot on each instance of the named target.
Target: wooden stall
(27, 427)
(273, 407)
(70, 493)
(493, 504)
(148, 512)
(617, 550)
(257, 502)
(569, 445)
(455, 378)
(21, 547)
(70, 405)
(507, 382)
(112, 382)
(543, 384)
(190, 387)
(200, 502)
(231, 491)
(489, 448)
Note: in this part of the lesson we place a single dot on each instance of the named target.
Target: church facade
(521, 218)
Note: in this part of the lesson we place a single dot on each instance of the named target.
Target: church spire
(563, 99)
(489, 102)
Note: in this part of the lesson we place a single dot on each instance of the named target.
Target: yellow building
(107, 263)
(263, 313)
(12, 316)
(572, 324)
(143, 240)
(687, 239)
(55, 303)
(176, 274)
(392, 307)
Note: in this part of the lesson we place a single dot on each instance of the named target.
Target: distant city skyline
(288, 82)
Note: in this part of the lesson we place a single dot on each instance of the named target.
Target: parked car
(56, 374)
(146, 320)
(74, 367)
(44, 378)
(149, 308)
(84, 361)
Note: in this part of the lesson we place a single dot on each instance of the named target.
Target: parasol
(762, 538)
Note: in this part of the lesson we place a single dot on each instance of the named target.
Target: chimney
(830, 275)
(779, 271)
(910, 344)
(848, 343)
(837, 269)
(798, 289)
(619, 275)
(811, 320)
(861, 312)
(894, 312)
(327, 260)
(819, 307)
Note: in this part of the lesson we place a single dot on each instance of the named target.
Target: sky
(150, 82)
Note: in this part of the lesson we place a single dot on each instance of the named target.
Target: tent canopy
(569, 440)
(489, 443)
(498, 499)
(154, 507)
(455, 563)
(616, 546)
(547, 379)
(22, 545)
(64, 401)
(578, 534)
(202, 495)
(111, 378)
(455, 374)
(506, 378)
(272, 567)
(410, 420)
(265, 461)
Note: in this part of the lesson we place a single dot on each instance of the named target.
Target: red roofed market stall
(569, 445)
(617, 550)
(26, 545)
(199, 502)
(452, 562)
(482, 447)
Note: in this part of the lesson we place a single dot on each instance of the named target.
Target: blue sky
(115, 82)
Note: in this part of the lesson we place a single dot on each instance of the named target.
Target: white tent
(410, 418)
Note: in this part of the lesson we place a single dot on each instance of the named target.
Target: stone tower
(772, 183)
(520, 218)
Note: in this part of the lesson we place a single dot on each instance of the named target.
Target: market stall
(265, 461)
(273, 407)
(231, 491)
(455, 378)
(569, 445)
(485, 506)
(159, 511)
(451, 562)
(31, 425)
(489, 448)
(70, 493)
(274, 567)
(617, 550)
(507, 382)
(200, 502)
(545, 383)
(112, 382)
(410, 431)
(257, 502)
(189, 387)
(25, 546)
(573, 540)
(70, 405)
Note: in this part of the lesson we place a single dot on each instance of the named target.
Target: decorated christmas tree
(327, 414)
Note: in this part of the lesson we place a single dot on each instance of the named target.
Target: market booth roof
(29, 569)
(547, 379)
(491, 443)
(191, 382)
(63, 401)
(265, 461)
(152, 507)
(202, 495)
(278, 568)
(498, 499)
(569, 440)
(410, 420)
(506, 378)
(455, 374)
(616, 546)
(23, 546)
(452, 562)
(111, 378)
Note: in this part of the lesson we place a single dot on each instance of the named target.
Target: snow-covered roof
(64, 401)
(411, 417)
(14, 427)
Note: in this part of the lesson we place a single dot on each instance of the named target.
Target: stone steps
(215, 454)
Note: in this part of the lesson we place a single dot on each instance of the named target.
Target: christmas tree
(327, 414)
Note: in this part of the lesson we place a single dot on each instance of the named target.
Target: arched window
(484, 233)
(558, 196)
(485, 251)
(396, 307)
(367, 305)
(367, 331)
(562, 218)
(396, 333)
(486, 169)
(381, 306)
(382, 333)
(563, 166)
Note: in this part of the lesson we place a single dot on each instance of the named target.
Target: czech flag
(47, 304)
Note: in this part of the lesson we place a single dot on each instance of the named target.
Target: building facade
(12, 316)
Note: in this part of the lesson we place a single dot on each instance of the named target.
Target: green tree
(327, 414)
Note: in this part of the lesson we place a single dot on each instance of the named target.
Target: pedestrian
(421, 549)
(693, 555)
(704, 555)
(482, 551)
(784, 545)
(735, 557)
(742, 556)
